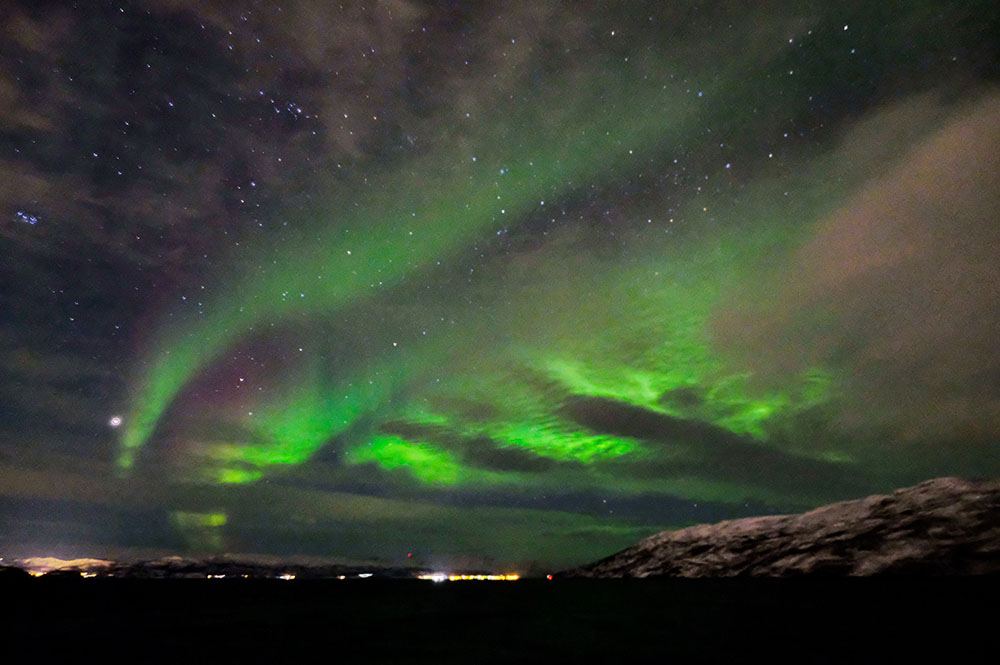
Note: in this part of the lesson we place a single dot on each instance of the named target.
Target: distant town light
(483, 578)
(493, 577)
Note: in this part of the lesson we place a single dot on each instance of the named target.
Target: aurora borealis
(517, 283)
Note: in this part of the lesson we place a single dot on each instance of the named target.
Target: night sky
(489, 283)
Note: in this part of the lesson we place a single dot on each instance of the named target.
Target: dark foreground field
(819, 620)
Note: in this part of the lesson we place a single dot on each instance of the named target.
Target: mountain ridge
(943, 526)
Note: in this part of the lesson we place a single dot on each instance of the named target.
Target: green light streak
(425, 462)
(522, 417)
(238, 476)
(186, 520)
(200, 531)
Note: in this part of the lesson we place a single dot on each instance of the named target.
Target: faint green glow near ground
(200, 531)
(198, 520)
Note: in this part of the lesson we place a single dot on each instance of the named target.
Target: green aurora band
(493, 405)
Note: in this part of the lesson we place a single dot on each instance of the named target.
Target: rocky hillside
(945, 526)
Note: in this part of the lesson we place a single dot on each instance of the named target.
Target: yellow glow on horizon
(493, 577)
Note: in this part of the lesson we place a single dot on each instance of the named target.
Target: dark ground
(816, 620)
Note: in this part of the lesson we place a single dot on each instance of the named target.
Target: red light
(548, 577)
(409, 554)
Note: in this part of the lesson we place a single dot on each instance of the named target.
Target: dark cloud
(612, 417)
(689, 446)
